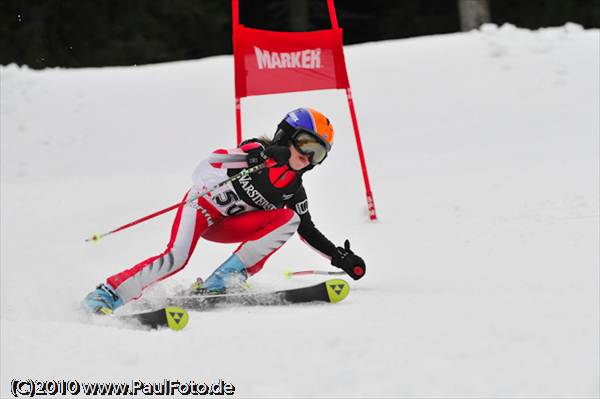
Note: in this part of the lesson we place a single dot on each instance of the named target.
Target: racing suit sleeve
(213, 169)
(307, 229)
(241, 157)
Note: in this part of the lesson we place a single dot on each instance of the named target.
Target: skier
(261, 210)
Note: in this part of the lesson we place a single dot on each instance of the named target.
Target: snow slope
(482, 281)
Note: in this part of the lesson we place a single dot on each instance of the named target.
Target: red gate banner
(268, 62)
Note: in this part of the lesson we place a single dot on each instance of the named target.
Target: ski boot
(103, 300)
(231, 276)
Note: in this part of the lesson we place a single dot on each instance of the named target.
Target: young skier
(261, 210)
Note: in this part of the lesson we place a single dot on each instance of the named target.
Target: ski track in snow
(482, 279)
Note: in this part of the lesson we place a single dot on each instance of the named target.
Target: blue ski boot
(103, 300)
(231, 275)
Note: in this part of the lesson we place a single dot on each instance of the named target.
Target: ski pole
(256, 168)
(290, 274)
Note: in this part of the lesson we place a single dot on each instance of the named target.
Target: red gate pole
(332, 14)
(361, 156)
(235, 14)
(238, 120)
(363, 163)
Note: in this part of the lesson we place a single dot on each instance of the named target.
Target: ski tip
(337, 289)
(177, 318)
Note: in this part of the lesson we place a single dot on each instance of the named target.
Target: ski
(175, 317)
(172, 317)
(332, 291)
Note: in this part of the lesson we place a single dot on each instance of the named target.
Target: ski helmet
(309, 130)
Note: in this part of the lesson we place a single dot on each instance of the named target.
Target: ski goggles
(310, 145)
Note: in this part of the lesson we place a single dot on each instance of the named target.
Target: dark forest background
(84, 33)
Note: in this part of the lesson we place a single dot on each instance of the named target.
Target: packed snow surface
(482, 270)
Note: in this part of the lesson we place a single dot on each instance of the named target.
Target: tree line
(91, 33)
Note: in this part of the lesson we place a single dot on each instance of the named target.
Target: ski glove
(278, 153)
(348, 261)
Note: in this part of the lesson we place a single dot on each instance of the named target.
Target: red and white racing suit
(261, 211)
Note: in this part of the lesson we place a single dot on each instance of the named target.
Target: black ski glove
(278, 153)
(348, 261)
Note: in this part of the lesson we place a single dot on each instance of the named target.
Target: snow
(482, 279)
